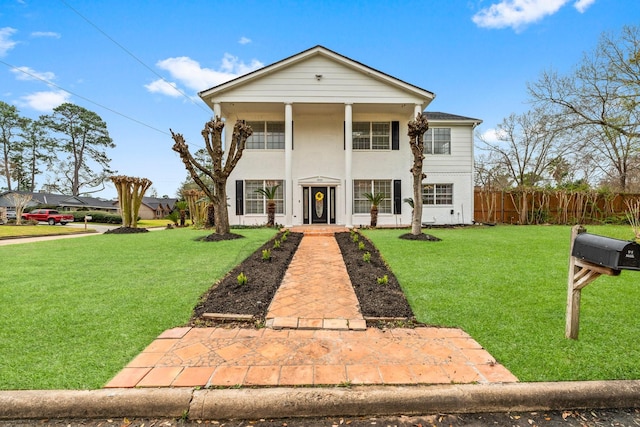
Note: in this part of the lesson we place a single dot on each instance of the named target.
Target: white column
(288, 156)
(217, 111)
(348, 155)
(417, 109)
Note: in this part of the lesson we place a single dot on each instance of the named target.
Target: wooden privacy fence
(529, 206)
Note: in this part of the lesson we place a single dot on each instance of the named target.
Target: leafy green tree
(9, 130)
(35, 149)
(83, 136)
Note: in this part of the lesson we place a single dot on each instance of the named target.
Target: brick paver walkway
(315, 336)
(316, 291)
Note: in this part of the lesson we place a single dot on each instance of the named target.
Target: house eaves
(440, 117)
(206, 95)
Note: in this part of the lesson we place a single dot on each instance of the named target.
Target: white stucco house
(327, 129)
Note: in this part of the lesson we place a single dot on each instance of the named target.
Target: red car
(51, 216)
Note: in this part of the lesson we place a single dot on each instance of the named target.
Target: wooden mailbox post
(589, 258)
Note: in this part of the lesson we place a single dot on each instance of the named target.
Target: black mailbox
(608, 252)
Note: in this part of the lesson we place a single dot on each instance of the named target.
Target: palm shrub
(182, 207)
(270, 194)
(375, 200)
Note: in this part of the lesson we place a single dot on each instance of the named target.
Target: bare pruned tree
(600, 100)
(220, 167)
(417, 128)
(526, 146)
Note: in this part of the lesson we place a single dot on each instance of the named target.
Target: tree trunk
(211, 215)
(416, 220)
(417, 128)
(271, 213)
(220, 208)
(374, 215)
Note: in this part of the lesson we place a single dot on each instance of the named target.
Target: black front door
(319, 205)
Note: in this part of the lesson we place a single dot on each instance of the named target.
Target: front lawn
(73, 312)
(507, 287)
(15, 231)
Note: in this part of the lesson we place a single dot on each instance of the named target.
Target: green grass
(10, 231)
(74, 312)
(507, 287)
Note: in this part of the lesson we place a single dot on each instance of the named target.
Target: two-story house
(326, 130)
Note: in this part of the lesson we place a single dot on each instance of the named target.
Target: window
(256, 203)
(266, 135)
(437, 194)
(360, 202)
(437, 141)
(371, 135)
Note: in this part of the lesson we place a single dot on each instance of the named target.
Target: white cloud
(6, 44)
(191, 74)
(492, 135)
(163, 87)
(244, 40)
(582, 5)
(45, 101)
(517, 14)
(26, 73)
(46, 34)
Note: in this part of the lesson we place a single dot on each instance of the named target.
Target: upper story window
(437, 141)
(371, 135)
(266, 135)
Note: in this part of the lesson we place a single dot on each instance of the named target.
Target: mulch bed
(264, 277)
(126, 230)
(376, 300)
(263, 280)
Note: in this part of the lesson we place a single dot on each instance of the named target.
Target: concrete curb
(306, 402)
(104, 403)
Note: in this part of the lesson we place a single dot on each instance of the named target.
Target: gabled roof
(323, 51)
(61, 200)
(446, 117)
(155, 202)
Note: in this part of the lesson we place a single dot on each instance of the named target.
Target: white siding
(298, 83)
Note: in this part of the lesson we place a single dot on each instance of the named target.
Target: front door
(319, 205)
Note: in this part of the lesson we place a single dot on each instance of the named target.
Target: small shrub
(355, 237)
(383, 280)
(366, 257)
(266, 255)
(242, 279)
(284, 237)
(276, 244)
(97, 216)
(361, 246)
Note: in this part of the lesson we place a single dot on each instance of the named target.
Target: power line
(83, 97)
(132, 55)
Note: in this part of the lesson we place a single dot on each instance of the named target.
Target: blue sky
(109, 57)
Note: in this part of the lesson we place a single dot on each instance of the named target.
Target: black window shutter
(239, 197)
(395, 135)
(397, 197)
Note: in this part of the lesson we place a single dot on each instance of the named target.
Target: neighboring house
(327, 129)
(153, 207)
(60, 202)
(156, 208)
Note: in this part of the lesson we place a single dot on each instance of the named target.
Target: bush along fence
(548, 206)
